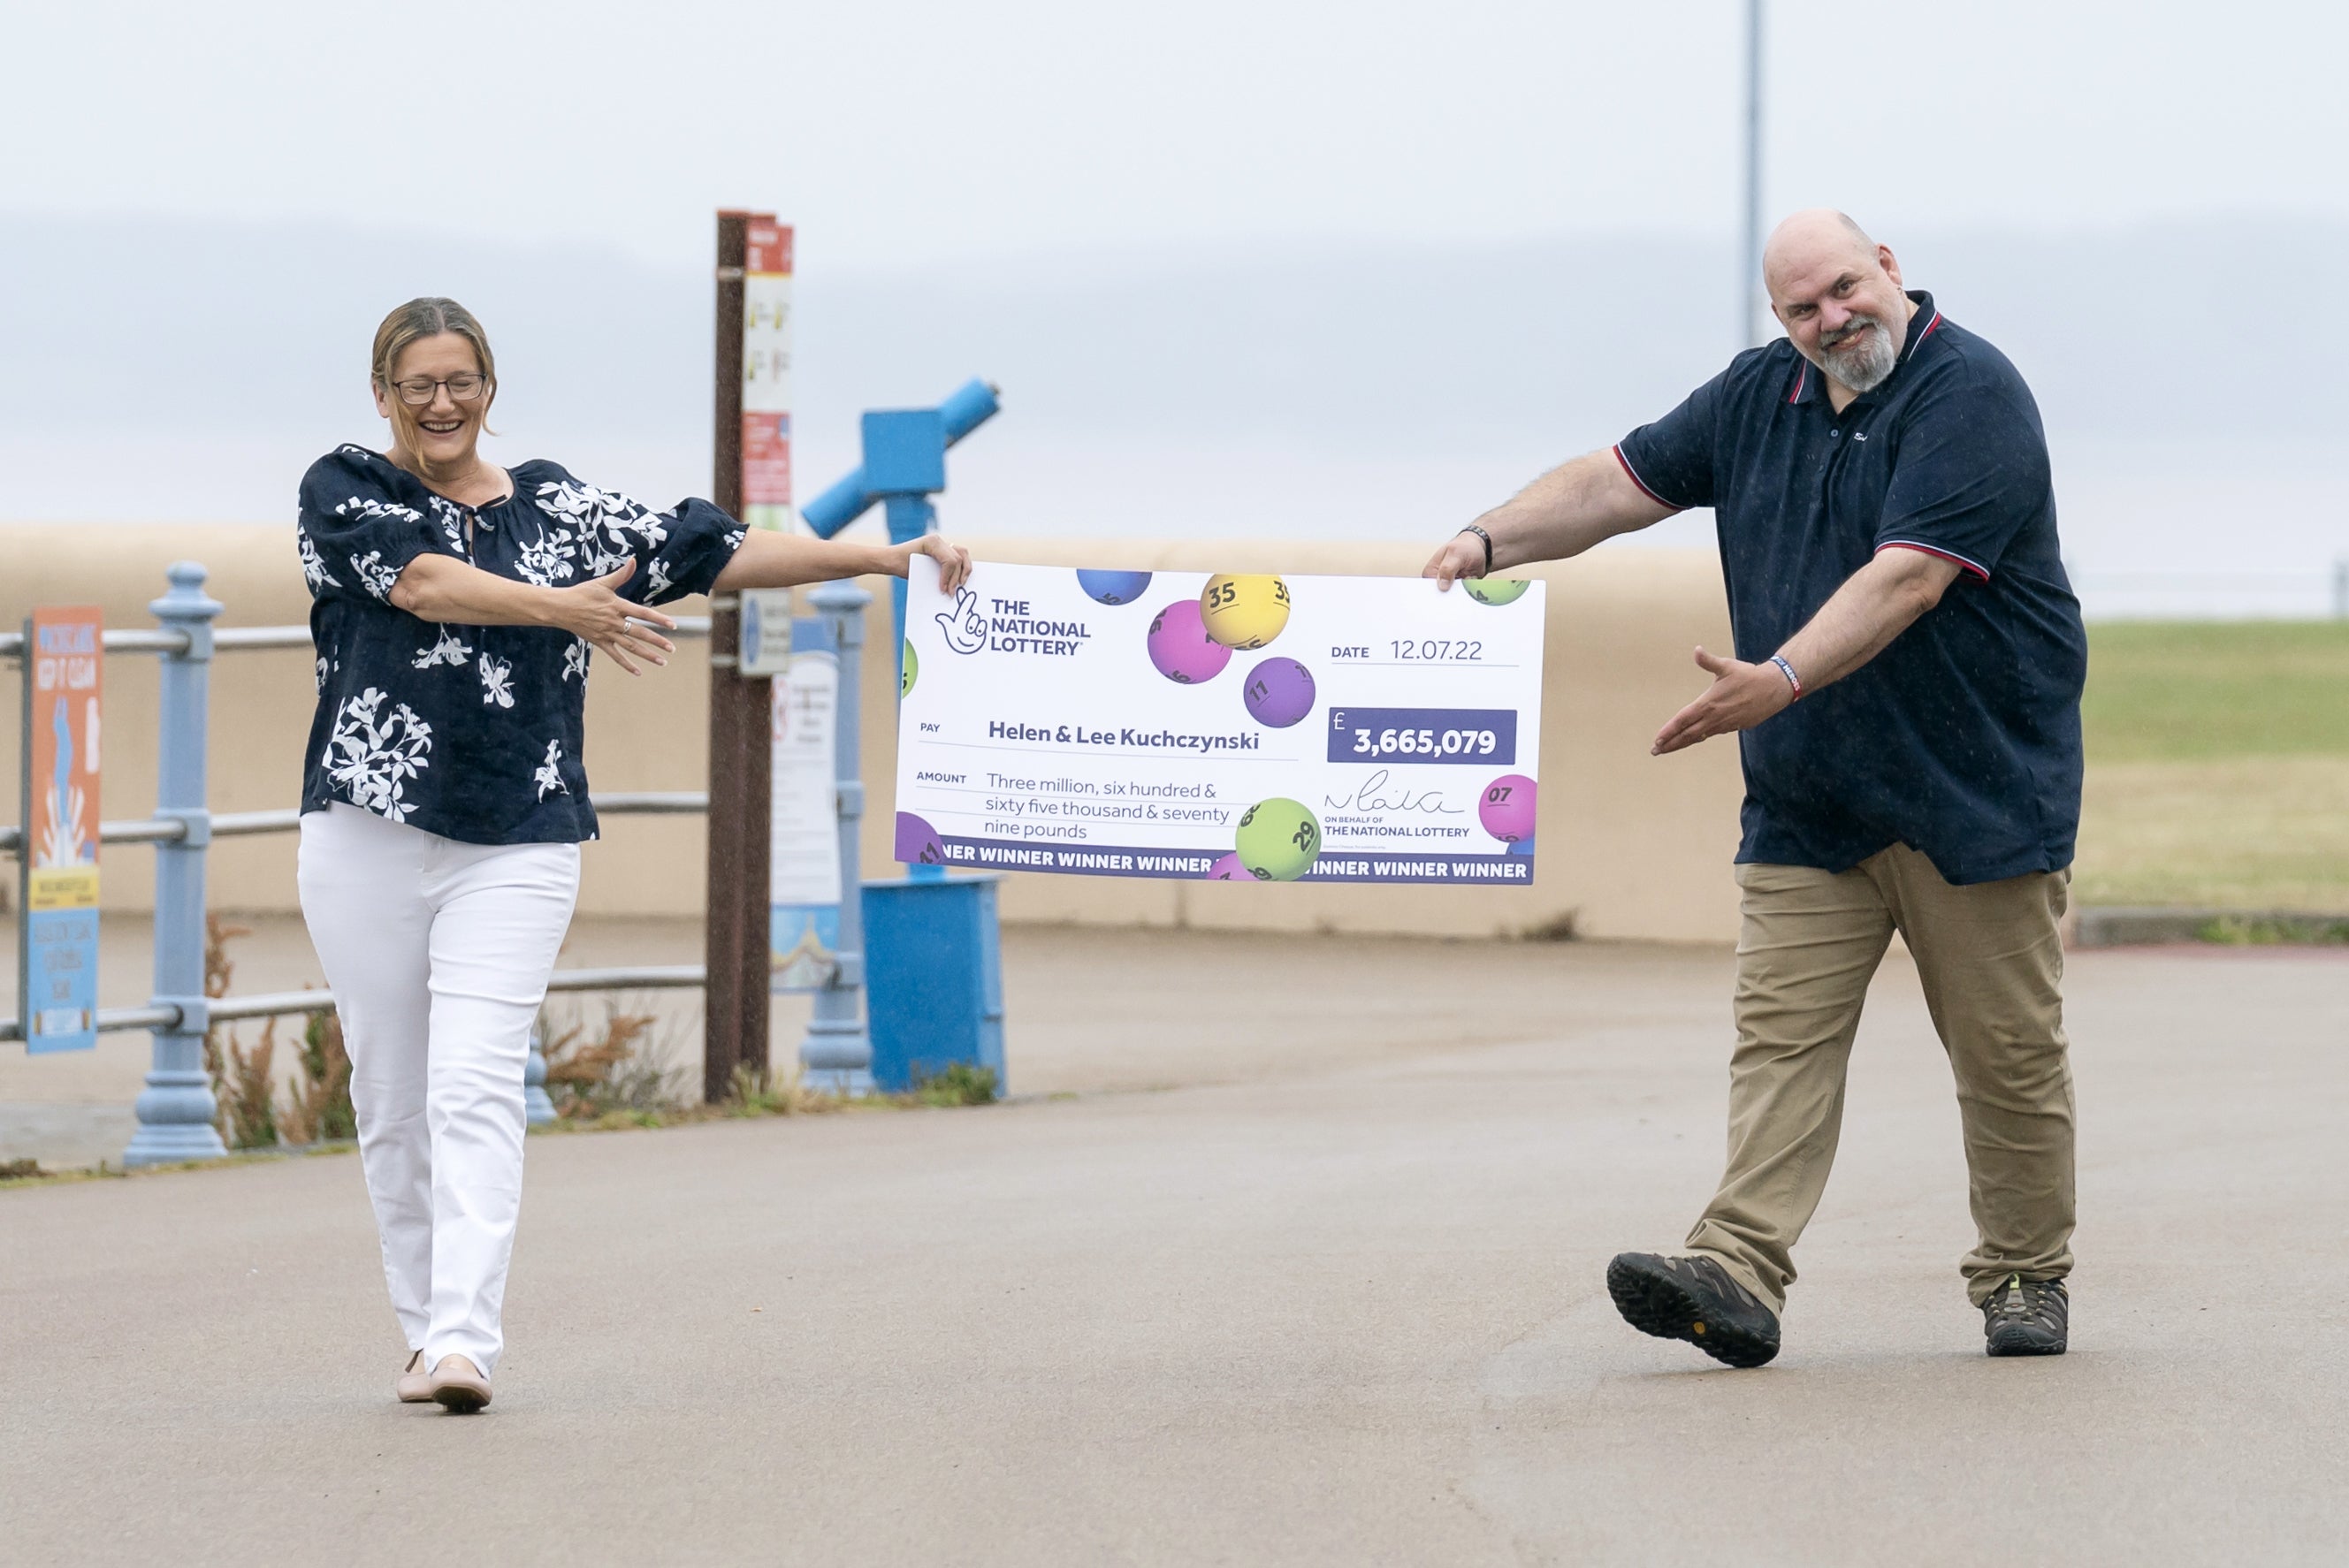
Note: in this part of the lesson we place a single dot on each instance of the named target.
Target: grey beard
(1864, 367)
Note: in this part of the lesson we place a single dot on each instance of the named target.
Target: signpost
(56, 966)
(752, 481)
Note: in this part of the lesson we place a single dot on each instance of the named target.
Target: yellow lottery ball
(1244, 610)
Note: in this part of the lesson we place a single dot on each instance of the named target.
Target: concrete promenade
(1289, 1253)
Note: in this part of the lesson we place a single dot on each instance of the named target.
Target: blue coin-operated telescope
(933, 969)
(905, 465)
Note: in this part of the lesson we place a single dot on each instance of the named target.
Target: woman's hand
(954, 560)
(621, 627)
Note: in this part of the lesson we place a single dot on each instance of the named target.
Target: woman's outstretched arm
(769, 560)
(442, 588)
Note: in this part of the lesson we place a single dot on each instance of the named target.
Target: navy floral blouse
(470, 732)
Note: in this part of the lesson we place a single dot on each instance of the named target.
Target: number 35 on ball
(1244, 610)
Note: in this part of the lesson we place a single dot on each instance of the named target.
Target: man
(1906, 688)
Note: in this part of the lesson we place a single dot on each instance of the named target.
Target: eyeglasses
(418, 391)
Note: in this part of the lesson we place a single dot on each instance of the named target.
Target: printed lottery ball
(1228, 869)
(1181, 648)
(917, 843)
(1279, 840)
(912, 671)
(1506, 807)
(1278, 692)
(1244, 611)
(1496, 590)
(1114, 587)
(1522, 847)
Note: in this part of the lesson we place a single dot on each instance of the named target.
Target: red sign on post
(767, 374)
(57, 968)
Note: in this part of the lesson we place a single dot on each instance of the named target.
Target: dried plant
(249, 1107)
(320, 1108)
(622, 1066)
(219, 967)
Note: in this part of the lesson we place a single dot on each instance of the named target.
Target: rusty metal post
(734, 1028)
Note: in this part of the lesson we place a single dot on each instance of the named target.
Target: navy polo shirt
(1961, 739)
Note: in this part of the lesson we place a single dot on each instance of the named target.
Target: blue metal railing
(177, 1108)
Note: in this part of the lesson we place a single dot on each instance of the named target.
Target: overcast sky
(1261, 267)
(908, 133)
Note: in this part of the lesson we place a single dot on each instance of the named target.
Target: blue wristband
(1788, 671)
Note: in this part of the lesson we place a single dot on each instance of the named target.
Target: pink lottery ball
(1506, 807)
(1181, 648)
(1230, 869)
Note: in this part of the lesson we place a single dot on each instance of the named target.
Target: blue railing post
(537, 1105)
(837, 1055)
(176, 1110)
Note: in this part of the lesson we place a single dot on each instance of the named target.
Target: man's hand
(621, 627)
(1462, 555)
(954, 560)
(1741, 697)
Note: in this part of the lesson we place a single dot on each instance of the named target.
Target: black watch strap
(1487, 538)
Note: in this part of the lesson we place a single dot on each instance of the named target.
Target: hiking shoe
(2026, 1318)
(1694, 1299)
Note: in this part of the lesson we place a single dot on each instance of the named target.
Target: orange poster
(59, 967)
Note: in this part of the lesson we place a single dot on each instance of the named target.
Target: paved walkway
(1303, 1269)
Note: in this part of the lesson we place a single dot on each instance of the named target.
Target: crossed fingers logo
(965, 625)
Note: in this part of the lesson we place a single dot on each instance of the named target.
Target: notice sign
(1234, 726)
(804, 868)
(766, 375)
(57, 969)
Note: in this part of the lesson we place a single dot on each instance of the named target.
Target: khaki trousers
(1993, 966)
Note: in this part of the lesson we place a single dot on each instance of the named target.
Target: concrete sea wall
(1631, 846)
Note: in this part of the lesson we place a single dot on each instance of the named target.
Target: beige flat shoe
(415, 1384)
(459, 1387)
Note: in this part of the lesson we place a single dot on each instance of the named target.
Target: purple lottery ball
(1181, 648)
(1506, 807)
(1114, 587)
(917, 843)
(1230, 869)
(1278, 692)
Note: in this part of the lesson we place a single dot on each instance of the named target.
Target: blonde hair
(412, 323)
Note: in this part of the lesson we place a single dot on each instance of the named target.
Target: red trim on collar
(1802, 375)
(1924, 335)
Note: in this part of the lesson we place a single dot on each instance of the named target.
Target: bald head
(1837, 293)
(1811, 238)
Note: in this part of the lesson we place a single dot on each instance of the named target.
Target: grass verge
(2218, 765)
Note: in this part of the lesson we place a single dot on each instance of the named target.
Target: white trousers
(437, 953)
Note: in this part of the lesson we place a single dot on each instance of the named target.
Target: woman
(443, 802)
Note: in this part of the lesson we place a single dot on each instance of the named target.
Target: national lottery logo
(1008, 627)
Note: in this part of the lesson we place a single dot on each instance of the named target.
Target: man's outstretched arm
(1566, 512)
(1875, 605)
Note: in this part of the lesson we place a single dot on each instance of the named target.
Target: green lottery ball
(1279, 840)
(912, 671)
(1496, 590)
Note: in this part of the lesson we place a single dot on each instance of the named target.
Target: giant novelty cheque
(1235, 726)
